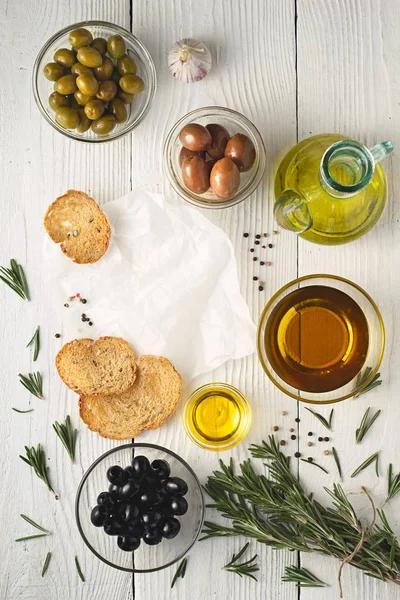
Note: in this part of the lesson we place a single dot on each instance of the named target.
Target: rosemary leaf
(180, 572)
(46, 564)
(326, 423)
(22, 411)
(373, 458)
(362, 378)
(335, 456)
(67, 436)
(311, 462)
(365, 424)
(393, 484)
(302, 577)
(35, 458)
(36, 341)
(33, 383)
(15, 278)
(78, 568)
(31, 537)
(246, 568)
(28, 520)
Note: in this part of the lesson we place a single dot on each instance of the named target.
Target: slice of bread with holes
(146, 405)
(106, 366)
(76, 222)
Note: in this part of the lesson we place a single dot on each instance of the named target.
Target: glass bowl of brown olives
(214, 157)
(139, 508)
(94, 81)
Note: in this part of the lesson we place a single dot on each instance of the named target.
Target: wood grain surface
(295, 68)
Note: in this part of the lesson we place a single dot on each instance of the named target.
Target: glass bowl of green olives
(139, 508)
(94, 81)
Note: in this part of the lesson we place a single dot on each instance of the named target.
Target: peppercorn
(297, 420)
(258, 236)
(326, 452)
(265, 234)
(260, 288)
(257, 243)
(83, 300)
(274, 232)
(246, 235)
(275, 428)
(269, 264)
(291, 429)
(66, 305)
(310, 433)
(270, 246)
(282, 443)
(283, 413)
(320, 439)
(263, 247)
(309, 443)
(326, 439)
(292, 437)
(255, 278)
(90, 323)
(262, 263)
(251, 249)
(57, 335)
(297, 454)
(83, 319)
(310, 459)
(255, 258)
(83, 315)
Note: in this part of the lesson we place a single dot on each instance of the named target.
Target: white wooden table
(295, 68)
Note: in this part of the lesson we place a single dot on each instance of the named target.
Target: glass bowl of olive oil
(217, 416)
(321, 339)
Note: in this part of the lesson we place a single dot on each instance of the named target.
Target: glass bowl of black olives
(94, 81)
(214, 157)
(139, 508)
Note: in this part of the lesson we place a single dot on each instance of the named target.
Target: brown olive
(84, 122)
(104, 71)
(126, 65)
(56, 100)
(185, 153)
(196, 174)
(87, 84)
(220, 138)
(195, 137)
(107, 91)
(90, 57)
(80, 37)
(116, 46)
(66, 85)
(225, 178)
(125, 97)
(104, 125)
(100, 44)
(79, 69)
(65, 57)
(117, 108)
(67, 117)
(81, 98)
(53, 71)
(241, 150)
(94, 109)
(131, 84)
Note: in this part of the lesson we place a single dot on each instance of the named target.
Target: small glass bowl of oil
(217, 416)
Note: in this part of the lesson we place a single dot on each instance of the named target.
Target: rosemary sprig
(312, 462)
(326, 423)
(245, 568)
(393, 484)
(78, 568)
(15, 278)
(33, 383)
(46, 564)
(31, 537)
(67, 436)
(28, 520)
(335, 456)
(373, 458)
(180, 572)
(362, 378)
(35, 458)
(22, 411)
(365, 424)
(36, 341)
(302, 577)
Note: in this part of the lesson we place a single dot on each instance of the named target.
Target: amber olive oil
(316, 339)
(217, 416)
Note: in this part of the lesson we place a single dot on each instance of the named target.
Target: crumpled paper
(168, 285)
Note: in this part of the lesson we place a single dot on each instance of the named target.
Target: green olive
(65, 57)
(66, 85)
(81, 98)
(84, 122)
(126, 65)
(107, 91)
(117, 108)
(67, 117)
(56, 100)
(104, 71)
(116, 46)
(132, 84)
(104, 125)
(115, 77)
(94, 109)
(80, 37)
(53, 71)
(73, 102)
(79, 69)
(90, 57)
(125, 97)
(87, 84)
(100, 44)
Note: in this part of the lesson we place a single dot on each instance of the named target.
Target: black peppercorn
(297, 420)
(297, 454)
(320, 439)
(310, 433)
(83, 300)
(66, 305)
(262, 263)
(246, 235)
(257, 243)
(251, 249)
(255, 278)
(90, 323)
(310, 459)
(326, 439)
(282, 443)
(258, 236)
(255, 258)
(270, 246)
(260, 288)
(292, 437)
(57, 335)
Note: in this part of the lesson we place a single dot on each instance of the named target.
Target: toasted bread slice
(106, 366)
(76, 222)
(146, 405)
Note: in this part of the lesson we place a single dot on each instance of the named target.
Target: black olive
(151, 517)
(162, 468)
(99, 515)
(150, 498)
(107, 499)
(128, 512)
(128, 543)
(170, 528)
(114, 490)
(128, 490)
(113, 527)
(151, 482)
(116, 475)
(140, 465)
(176, 505)
(152, 536)
(135, 529)
(175, 486)
(130, 471)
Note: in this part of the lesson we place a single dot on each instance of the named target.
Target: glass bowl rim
(122, 31)
(96, 463)
(257, 176)
(335, 278)
(244, 402)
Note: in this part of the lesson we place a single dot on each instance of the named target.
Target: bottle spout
(292, 213)
(380, 151)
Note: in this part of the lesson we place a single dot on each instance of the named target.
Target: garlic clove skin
(189, 60)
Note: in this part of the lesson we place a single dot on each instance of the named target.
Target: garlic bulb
(189, 60)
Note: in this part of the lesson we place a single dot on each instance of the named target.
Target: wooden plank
(349, 83)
